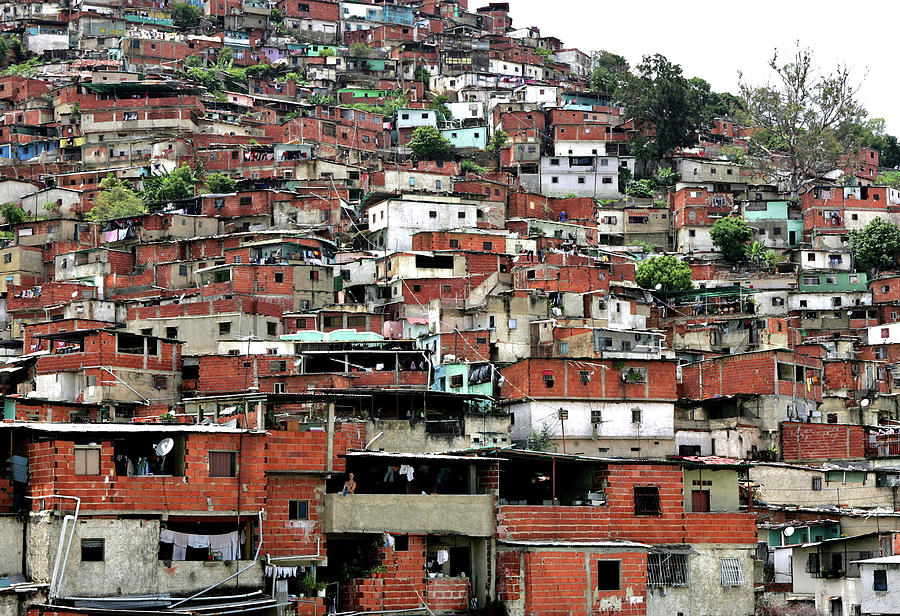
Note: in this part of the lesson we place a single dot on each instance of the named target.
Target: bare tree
(795, 120)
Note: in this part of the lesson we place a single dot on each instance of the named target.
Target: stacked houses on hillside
(346, 378)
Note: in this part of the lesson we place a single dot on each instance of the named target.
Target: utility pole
(563, 416)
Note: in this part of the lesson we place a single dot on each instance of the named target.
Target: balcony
(464, 514)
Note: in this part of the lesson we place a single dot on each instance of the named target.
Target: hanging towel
(442, 556)
(224, 546)
(198, 541)
(179, 546)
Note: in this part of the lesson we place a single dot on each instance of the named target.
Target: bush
(469, 166)
(639, 188)
(14, 214)
(666, 177)
(220, 184)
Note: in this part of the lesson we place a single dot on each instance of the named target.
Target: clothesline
(225, 547)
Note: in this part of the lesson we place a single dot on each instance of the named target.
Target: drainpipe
(329, 451)
(233, 575)
(56, 583)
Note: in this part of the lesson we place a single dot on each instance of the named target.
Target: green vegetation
(219, 183)
(806, 116)
(666, 177)
(667, 272)
(360, 50)
(28, 68)
(498, 141)
(469, 166)
(116, 199)
(179, 184)
(639, 188)
(730, 235)
(610, 72)
(186, 15)
(890, 178)
(13, 213)
(876, 245)
(427, 143)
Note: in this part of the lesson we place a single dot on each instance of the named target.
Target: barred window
(730, 572)
(667, 570)
(646, 500)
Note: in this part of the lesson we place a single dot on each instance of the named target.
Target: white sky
(716, 39)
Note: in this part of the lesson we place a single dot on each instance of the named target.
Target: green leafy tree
(427, 143)
(421, 74)
(730, 235)
(116, 199)
(798, 118)
(186, 15)
(360, 50)
(666, 176)
(871, 134)
(664, 105)
(876, 245)
(470, 166)
(220, 184)
(890, 178)
(610, 72)
(498, 141)
(639, 188)
(670, 273)
(179, 184)
(4, 49)
(439, 104)
(13, 213)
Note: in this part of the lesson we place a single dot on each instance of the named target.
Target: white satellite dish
(164, 446)
(864, 402)
(788, 531)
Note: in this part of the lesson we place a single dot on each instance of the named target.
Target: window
(225, 327)
(646, 500)
(816, 484)
(554, 179)
(454, 243)
(417, 288)
(298, 510)
(432, 214)
(222, 463)
(608, 574)
(7, 257)
(160, 381)
(563, 348)
(456, 380)
(667, 570)
(277, 366)
(92, 550)
(314, 275)
(596, 417)
(248, 200)
(487, 246)
(636, 416)
(445, 288)
(810, 256)
(461, 215)
(730, 572)
(548, 378)
(87, 461)
(172, 333)
(512, 324)
(879, 579)
(278, 388)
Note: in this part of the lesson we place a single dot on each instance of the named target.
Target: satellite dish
(864, 402)
(164, 446)
(788, 531)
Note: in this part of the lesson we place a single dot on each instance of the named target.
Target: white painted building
(392, 222)
(840, 260)
(879, 585)
(582, 176)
